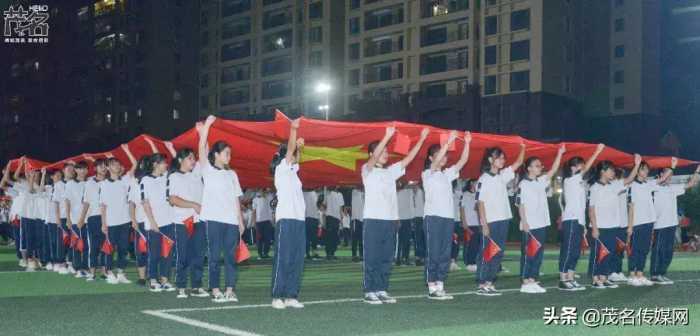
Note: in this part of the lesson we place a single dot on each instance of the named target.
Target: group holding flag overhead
(176, 213)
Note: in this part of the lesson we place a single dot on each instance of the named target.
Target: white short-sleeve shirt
(263, 210)
(135, 198)
(74, 195)
(358, 201)
(624, 214)
(114, 196)
(532, 194)
(666, 205)
(187, 186)
(604, 198)
(154, 189)
(418, 203)
(492, 190)
(642, 202)
(290, 198)
(470, 210)
(380, 191)
(575, 199)
(59, 191)
(438, 192)
(334, 203)
(91, 196)
(405, 199)
(220, 195)
(50, 206)
(311, 202)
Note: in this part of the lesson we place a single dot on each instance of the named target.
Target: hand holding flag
(491, 250)
(533, 245)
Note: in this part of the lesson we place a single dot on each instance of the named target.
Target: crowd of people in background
(192, 211)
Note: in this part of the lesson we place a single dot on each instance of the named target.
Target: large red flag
(533, 246)
(491, 250)
(602, 253)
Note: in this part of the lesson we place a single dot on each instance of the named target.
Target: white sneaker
(538, 288)
(634, 281)
(199, 292)
(22, 263)
(372, 299)
(80, 274)
(439, 295)
(454, 267)
(471, 268)
(168, 287)
(71, 270)
(90, 277)
(231, 297)
(30, 268)
(49, 267)
(112, 280)
(63, 270)
(645, 281)
(155, 287)
(528, 288)
(278, 304)
(219, 298)
(385, 297)
(181, 294)
(293, 303)
(666, 281)
(122, 278)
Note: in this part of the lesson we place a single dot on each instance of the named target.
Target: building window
(490, 55)
(270, 2)
(490, 85)
(316, 10)
(276, 66)
(381, 45)
(275, 18)
(520, 50)
(235, 96)
(491, 25)
(176, 114)
(235, 50)
(444, 32)
(443, 61)
(619, 103)
(354, 51)
(354, 4)
(384, 17)
(354, 77)
(235, 28)
(354, 25)
(316, 35)
(383, 71)
(431, 8)
(620, 25)
(204, 81)
(204, 60)
(620, 51)
(204, 102)
(234, 73)
(204, 38)
(519, 81)
(232, 7)
(520, 20)
(277, 41)
(619, 77)
(316, 58)
(276, 89)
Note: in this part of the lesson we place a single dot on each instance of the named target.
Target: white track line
(200, 324)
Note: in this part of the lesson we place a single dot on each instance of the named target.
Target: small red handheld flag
(584, 243)
(80, 245)
(15, 222)
(189, 225)
(107, 247)
(166, 245)
(603, 252)
(619, 246)
(141, 245)
(73, 239)
(66, 237)
(467, 235)
(242, 253)
(491, 250)
(533, 246)
(444, 137)
(402, 144)
(629, 248)
(319, 232)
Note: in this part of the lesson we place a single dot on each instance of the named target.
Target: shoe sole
(440, 298)
(199, 295)
(373, 302)
(181, 297)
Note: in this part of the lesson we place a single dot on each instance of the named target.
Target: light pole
(324, 88)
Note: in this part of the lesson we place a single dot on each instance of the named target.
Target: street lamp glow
(323, 107)
(323, 87)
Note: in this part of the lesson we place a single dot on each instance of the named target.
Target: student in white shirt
(138, 220)
(74, 207)
(334, 203)
(418, 229)
(357, 201)
(616, 274)
(457, 227)
(262, 212)
(290, 235)
(642, 216)
(439, 212)
(8, 184)
(159, 220)
(59, 201)
(494, 212)
(91, 211)
(380, 215)
(604, 215)
(666, 206)
(533, 208)
(30, 225)
(403, 242)
(221, 211)
(185, 194)
(312, 222)
(42, 200)
(114, 210)
(573, 218)
(470, 224)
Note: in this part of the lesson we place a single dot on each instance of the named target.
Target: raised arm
(557, 161)
(633, 173)
(203, 130)
(380, 147)
(414, 151)
(132, 160)
(591, 160)
(171, 149)
(521, 158)
(693, 181)
(667, 174)
(465, 152)
(154, 149)
(435, 164)
(42, 183)
(6, 175)
(20, 165)
(292, 141)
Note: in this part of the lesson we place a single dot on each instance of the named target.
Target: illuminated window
(104, 7)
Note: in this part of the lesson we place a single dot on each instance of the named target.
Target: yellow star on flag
(344, 157)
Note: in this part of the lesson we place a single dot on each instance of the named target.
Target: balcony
(433, 8)
(382, 47)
